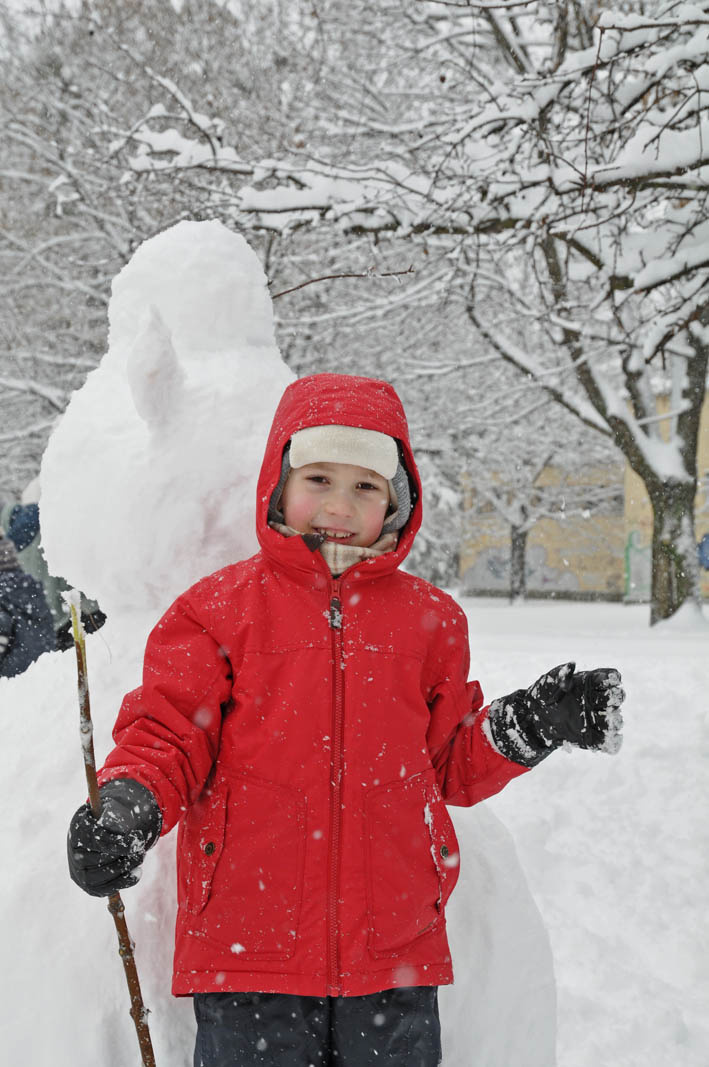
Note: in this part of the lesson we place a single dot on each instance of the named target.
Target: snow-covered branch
(56, 397)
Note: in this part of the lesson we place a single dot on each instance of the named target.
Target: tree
(483, 146)
(571, 139)
(78, 86)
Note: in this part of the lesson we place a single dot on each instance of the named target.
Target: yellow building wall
(605, 555)
(569, 556)
(573, 556)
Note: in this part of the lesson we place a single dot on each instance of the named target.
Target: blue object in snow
(703, 552)
(24, 525)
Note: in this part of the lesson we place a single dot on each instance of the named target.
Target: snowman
(147, 484)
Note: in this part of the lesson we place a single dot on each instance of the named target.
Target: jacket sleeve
(468, 767)
(167, 731)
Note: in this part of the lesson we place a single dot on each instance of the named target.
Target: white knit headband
(345, 444)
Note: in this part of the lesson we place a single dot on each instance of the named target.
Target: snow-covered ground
(616, 849)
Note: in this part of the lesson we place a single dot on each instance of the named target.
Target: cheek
(374, 517)
(296, 511)
(294, 514)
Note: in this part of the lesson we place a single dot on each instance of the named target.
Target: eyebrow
(327, 465)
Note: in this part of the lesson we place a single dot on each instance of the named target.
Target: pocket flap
(444, 844)
(412, 861)
(205, 840)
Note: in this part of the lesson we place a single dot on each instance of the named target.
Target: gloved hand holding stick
(115, 904)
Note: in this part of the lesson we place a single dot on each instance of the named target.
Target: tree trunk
(518, 562)
(675, 569)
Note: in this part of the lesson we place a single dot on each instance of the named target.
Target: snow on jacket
(307, 732)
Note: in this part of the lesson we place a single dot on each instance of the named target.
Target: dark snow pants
(394, 1028)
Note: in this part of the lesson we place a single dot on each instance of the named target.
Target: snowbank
(616, 849)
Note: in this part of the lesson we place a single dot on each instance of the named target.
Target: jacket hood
(344, 400)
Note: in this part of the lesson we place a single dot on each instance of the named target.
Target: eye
(370, 486)
(319, 479)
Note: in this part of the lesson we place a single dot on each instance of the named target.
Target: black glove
(104, 852)
(580, 709)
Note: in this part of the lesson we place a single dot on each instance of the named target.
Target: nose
(338, 502)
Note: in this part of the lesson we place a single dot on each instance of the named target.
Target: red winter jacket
(307, 732)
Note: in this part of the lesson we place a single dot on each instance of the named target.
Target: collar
(340, 557)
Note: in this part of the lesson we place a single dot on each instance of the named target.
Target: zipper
(335, 623)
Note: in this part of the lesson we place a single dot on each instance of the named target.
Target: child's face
(345, 502)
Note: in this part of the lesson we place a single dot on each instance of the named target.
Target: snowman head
(148, 482)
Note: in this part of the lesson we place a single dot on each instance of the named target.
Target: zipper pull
(335, 614)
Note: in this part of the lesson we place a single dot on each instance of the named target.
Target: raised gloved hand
(581, 709)
(105, 852)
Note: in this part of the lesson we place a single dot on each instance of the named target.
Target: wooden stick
(138, 1011)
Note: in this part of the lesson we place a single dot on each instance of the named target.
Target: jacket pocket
(249, 895)
(412, 862)
(200, 847)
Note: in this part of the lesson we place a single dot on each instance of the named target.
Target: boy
(305, 715)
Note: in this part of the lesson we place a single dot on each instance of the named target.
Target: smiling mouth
(334, 535)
